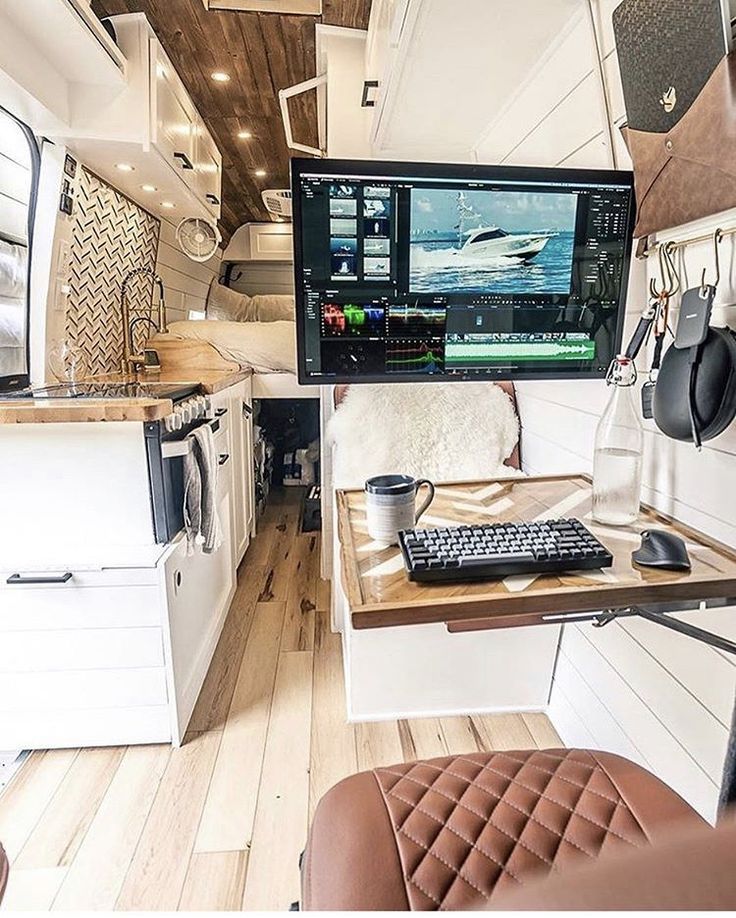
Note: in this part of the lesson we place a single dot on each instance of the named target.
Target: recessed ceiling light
(244, 135)
(125, 167)
(219, 76)
(149, 188)
(168, 205)
(260, 173)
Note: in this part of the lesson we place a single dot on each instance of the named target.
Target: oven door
(165, 452)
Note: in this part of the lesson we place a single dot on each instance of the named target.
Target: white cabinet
(153, 126)
(173, 113)
(82, 659)
(235, 406)
(199, 589)
(104, 643)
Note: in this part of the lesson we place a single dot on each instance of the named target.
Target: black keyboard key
(500, 549)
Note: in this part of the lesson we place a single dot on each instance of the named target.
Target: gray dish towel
(200, 491)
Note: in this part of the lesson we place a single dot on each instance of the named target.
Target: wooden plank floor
(219, 824)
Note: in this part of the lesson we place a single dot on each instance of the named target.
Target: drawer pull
(219, 412)
(247, 410)
(15, 579)
(212, 198)
(186, 163)
(223, 458)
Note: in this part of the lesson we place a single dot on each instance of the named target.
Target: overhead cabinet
(112, 102)
(153, 126)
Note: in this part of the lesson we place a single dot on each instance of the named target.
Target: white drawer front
(63, 691)
(91, 727)
(111, 648)
(108, 577)
(30, 608)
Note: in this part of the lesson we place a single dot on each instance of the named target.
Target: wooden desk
(380, 595)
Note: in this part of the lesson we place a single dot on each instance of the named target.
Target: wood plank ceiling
(262, 53)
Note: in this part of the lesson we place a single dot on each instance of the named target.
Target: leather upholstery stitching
(396, 843)
(560, 777)
(468, 841)
(559, 803)
(530, 816)
(437, 857)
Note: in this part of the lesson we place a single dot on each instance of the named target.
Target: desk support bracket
(602, 619)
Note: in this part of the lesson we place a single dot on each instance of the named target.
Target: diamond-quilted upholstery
(453, 832)
(469, 826)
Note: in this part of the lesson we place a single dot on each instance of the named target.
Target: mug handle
(428, 501)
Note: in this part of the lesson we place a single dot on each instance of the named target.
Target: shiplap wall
(631, 687)
(15, 181)
(186, 281)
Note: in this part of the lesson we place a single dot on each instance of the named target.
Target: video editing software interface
(406, 276)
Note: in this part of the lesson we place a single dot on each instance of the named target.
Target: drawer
(64, 691)
(72, 605)
(86, 727)
(102, 648)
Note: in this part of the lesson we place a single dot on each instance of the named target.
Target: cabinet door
(208, 164)
(199, 588)
(174, 116)
(239, 432)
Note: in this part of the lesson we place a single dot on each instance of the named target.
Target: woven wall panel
(111, 236)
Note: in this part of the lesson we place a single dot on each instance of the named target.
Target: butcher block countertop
(60, 410)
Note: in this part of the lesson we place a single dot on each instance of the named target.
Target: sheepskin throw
(444, 431)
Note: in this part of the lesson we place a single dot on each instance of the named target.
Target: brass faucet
(131, 361)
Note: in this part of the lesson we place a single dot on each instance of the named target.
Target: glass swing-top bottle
(619, 442)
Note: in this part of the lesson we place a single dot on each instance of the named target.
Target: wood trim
(378, 600)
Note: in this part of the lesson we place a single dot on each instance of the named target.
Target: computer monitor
(436, 272)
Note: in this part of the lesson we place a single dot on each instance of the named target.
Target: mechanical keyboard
(482, 552)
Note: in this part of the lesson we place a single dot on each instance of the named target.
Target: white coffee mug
(390, 502)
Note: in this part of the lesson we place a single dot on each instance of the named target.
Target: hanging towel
(200, 491)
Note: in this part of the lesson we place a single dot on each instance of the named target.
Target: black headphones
(694, 397)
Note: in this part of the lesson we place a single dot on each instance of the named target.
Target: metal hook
(717, 237)
(668, 274)
(672, 271)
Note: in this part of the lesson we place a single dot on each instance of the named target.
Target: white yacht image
(494, 242)
(483, 242)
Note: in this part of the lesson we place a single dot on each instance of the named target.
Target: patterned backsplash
(111, 236)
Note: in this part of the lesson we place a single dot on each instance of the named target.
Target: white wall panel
(632, 688)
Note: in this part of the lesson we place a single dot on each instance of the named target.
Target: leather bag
(689, 172)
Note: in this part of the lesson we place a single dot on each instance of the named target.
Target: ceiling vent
(300, 7)
(278, 202)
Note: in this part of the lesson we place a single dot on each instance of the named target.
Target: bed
(257, 332)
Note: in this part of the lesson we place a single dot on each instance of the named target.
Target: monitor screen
(408, 272)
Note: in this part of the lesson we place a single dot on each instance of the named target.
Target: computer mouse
(662, 549)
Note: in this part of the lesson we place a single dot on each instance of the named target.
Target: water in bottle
(617, 460)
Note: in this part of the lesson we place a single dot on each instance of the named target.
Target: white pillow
(229, 305)
(440, 431)
(267, 347)
(13, 270)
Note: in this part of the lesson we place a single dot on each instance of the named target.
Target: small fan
(198, 238)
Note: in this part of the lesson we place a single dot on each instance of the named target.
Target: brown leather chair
(4, 869)
(457, 832)
(692, 872)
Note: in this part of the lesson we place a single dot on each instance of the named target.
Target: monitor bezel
(386, 168)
